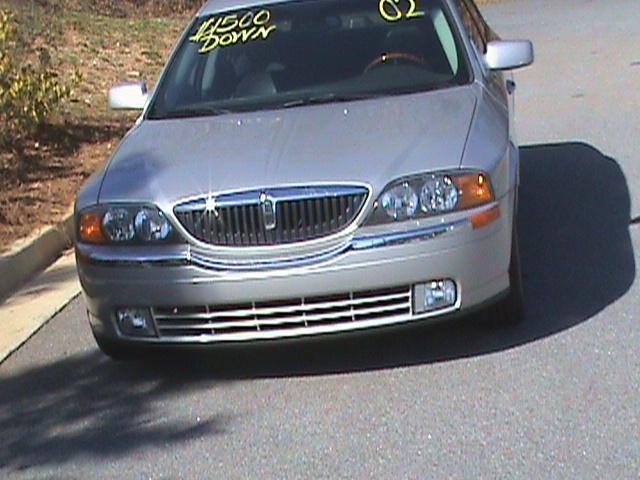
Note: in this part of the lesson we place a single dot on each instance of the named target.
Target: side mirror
(509, 54)
(128, 96)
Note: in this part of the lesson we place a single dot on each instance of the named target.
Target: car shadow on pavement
(577, 258)
(88, 406)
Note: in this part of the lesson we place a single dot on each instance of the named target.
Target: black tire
(117, 352)
(510, 310)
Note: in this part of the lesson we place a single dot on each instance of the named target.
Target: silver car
(308, 167)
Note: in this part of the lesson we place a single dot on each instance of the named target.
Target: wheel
(510, 310)
(116, 352)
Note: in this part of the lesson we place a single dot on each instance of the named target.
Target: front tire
(117, 352)
(510, 310)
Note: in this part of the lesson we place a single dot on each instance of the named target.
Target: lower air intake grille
(302, 313)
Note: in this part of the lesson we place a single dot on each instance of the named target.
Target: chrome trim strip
(399, 238)
(204, 262)
(167, 261)
(192, 206)
(184, 256)
(178, 255)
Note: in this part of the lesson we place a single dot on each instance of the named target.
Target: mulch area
(38, 190)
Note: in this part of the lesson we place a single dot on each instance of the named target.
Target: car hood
(370, 141)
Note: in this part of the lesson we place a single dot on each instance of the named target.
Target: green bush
(29, 90)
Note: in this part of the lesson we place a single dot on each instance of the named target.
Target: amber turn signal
(486, 218)
(475, 190)
(90, 228)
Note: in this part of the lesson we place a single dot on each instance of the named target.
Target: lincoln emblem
(268, 207)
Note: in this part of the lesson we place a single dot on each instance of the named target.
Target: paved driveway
(557, 397)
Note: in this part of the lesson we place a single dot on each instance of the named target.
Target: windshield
(289, 54)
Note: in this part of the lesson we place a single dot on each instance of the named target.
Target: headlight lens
(400, 202)
(151, 225)
(439, 195)
(117, 225)
(124, 225)
(431, 194)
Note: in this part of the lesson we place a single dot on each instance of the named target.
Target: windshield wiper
(327, 98)
(197, 112)
(311, 100)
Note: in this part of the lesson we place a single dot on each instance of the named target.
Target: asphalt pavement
(555, 397)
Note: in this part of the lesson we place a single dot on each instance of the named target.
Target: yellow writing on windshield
(391, 10)
(232, 29)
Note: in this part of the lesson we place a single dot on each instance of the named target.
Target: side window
(446, 39)
(479, 31)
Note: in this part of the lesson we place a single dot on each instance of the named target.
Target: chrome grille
(281, 316)
(272, 217)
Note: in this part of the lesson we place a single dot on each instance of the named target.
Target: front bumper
(364, 284)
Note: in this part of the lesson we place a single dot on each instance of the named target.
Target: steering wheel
(385, 57)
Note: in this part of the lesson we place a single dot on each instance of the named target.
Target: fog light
(136, 322)
(435, 295)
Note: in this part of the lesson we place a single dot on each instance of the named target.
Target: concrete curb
(37, 302)
(33, 255)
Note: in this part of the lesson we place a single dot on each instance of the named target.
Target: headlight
(151, 225)
(400, 202)
(117, 225)
(438, 195)
(124, 225)
(431, 194)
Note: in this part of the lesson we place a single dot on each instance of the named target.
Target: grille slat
(238, 231)
(299, 217)
(228, 232)
(286, 224)
(206, 223)
(198, 221)
(304, 220)
(312, 216)
(246, 231)
(342, 209)
(295, 221)
(319, 217)
(253, 236)
(326, 214)
(349, 308)
(335, 214)
(351, 203)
